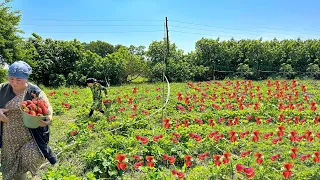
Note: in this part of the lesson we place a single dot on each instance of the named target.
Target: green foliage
(244, 70)
(257, 59)
(125, 64)
(67, 62)
(10, 42)
(3, 74)
(156, 72)
(71, 62)
(102, 163)
(61, 173)
(178, 70)
(99, 47)
(93, 149)
(57, 80)
(287, 70)
(59, 63)
(91, 65)
(52, 60)
(314, 70)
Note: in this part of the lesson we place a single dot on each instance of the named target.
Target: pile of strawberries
(35, 107)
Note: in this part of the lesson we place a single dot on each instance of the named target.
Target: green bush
(3, 74)
(57, 80)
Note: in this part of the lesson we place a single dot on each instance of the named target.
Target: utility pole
(167, 31)
(166, 55)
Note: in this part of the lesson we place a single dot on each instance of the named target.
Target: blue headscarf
(20, 69)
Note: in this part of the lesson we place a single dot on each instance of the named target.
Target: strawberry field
(237, 129)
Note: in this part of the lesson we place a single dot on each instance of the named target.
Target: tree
(52, 59)
(90, 65)
(118, 46)
(3, 74)
(10, 42)
(140, 50)
(129, 64)
(178, 67)
(100, 47)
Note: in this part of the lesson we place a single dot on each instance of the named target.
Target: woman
(96, 89)
(23, 149)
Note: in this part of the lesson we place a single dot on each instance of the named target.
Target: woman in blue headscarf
(23, 149)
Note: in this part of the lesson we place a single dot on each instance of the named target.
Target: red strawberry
(174, 172)
(24, 102)
(189, 164)
(150, 164)
(239, 167)
(32, 113)
(249, 171)
(288, 166)
(287, 174)
(259, 160)
(23, 106)
(40, 103)
(39, 110)
(180, 175)
(293, 155)
(35, 101)
(45, 111)
(122, 166)
(33, 107)
(225, 161)
(249, 176)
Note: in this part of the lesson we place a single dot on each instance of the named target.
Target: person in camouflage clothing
(96, 89)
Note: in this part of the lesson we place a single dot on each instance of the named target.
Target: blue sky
(139, 22)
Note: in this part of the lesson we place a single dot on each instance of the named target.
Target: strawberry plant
(237, 129)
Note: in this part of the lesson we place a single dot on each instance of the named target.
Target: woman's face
(17, 83)
(90, 84)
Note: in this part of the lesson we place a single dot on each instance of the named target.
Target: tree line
(61, 62)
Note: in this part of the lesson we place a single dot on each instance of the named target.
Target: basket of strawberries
(33, 111)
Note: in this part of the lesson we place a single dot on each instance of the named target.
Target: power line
(143, 25)
(194, 33)
(116, 32)
(152, 25)
(201, 29)
(156, 20)
(155, 25)
(183, 22)
(286, 29)
(82, 20)
(120, 25)
(213, 34)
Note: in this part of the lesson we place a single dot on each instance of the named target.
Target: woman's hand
(3, 117)
(43, 123)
